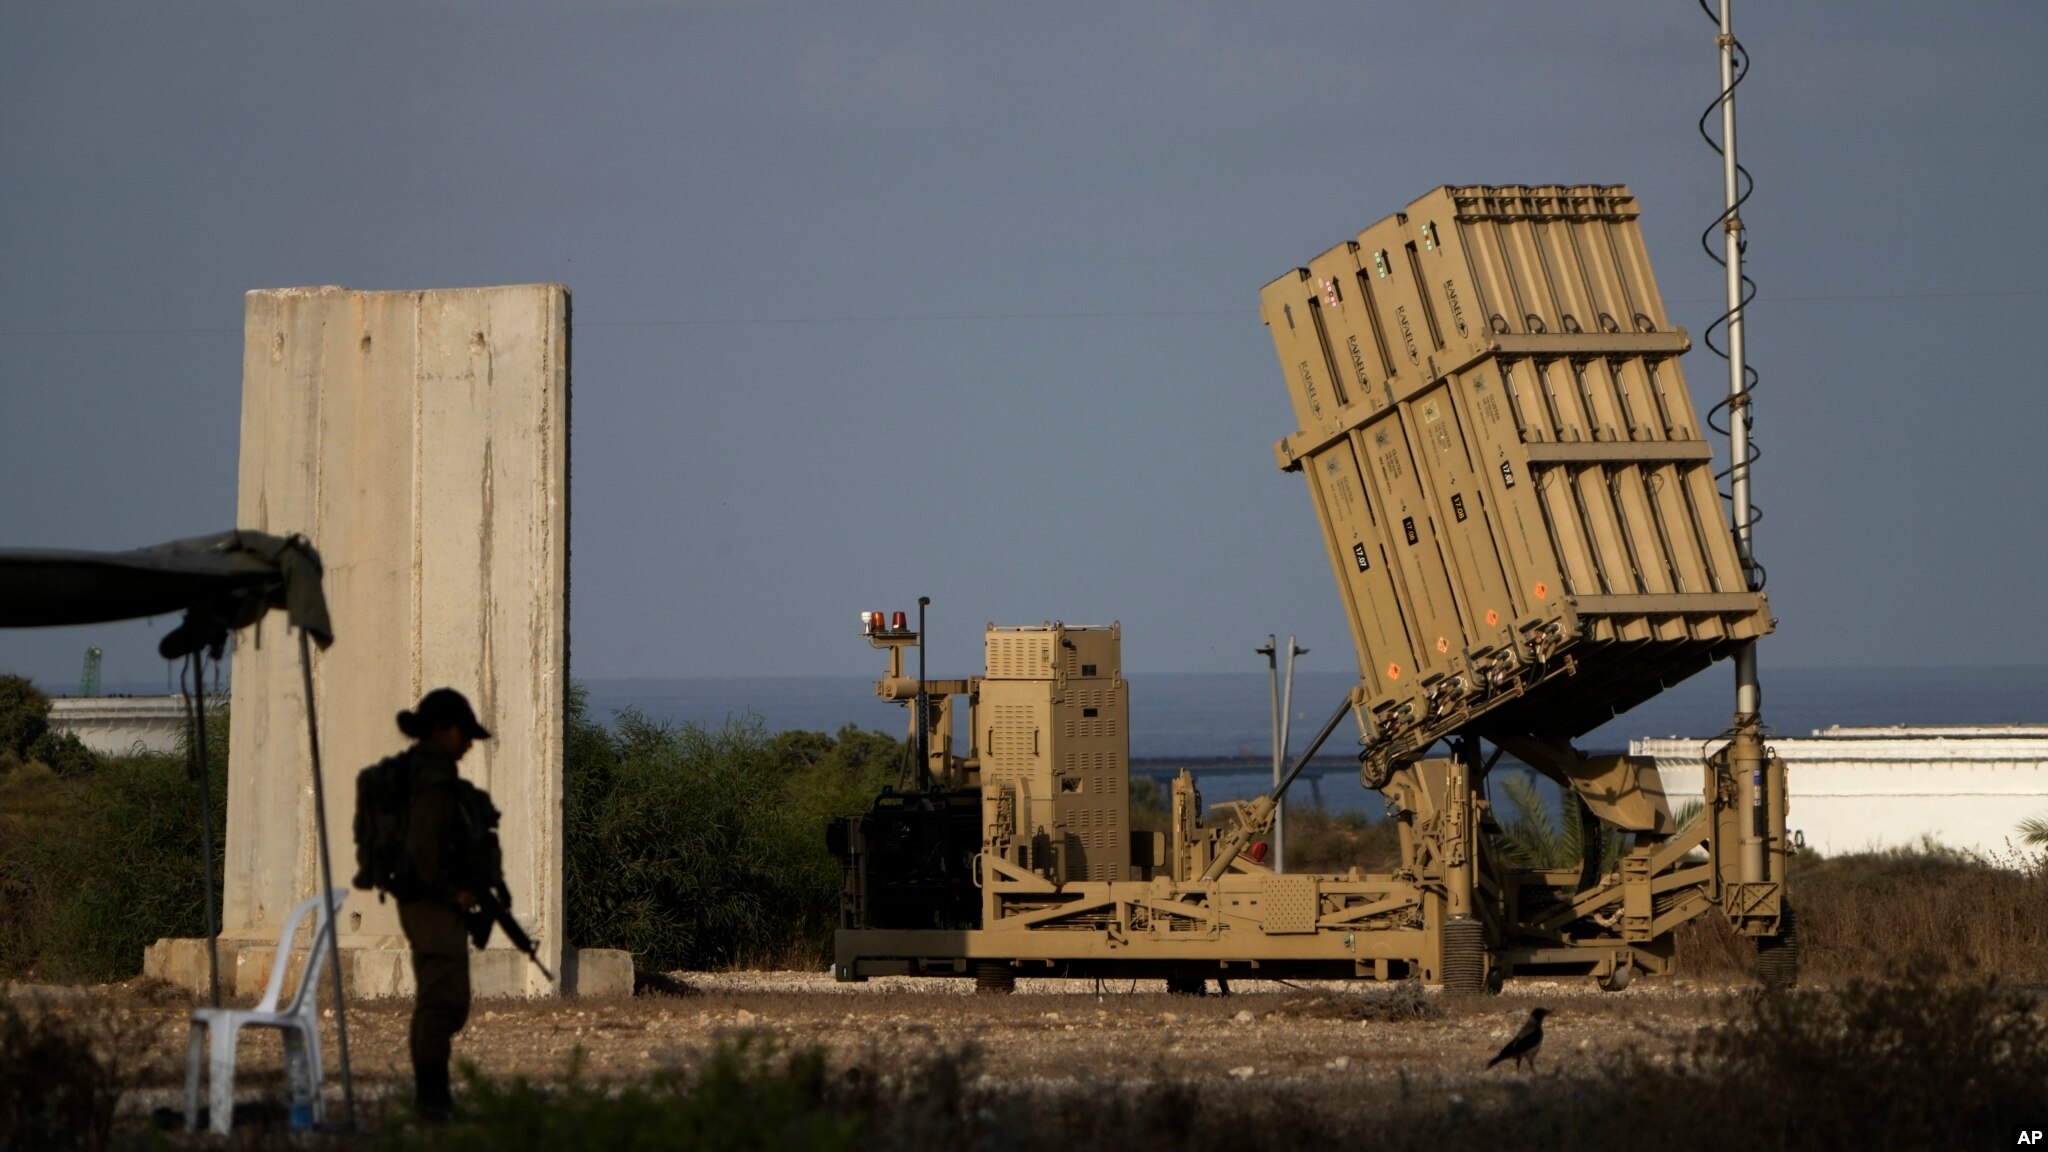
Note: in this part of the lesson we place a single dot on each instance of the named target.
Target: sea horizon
(1227, 715)
(1218, 724)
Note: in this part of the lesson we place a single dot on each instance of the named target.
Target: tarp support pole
(195, 714)
(348, 1086)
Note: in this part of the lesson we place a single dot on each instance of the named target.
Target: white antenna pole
(1748, 689)
(1747, 756)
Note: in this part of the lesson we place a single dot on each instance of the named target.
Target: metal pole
(924, 719)
(1286, 727)
(348, 1084)
(196, 700)
(1233, 844)
(1747, 754)
(1271, 650)
(1748, 690)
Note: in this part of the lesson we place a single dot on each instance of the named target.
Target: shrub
(697, 848)
(1912, 1064)
(101, 866)
(687, 847)
(1322, 841)
(1924, 910)
(97, 865)
(64, 753)
(62, 1072)
(24, 715)
(1151, 805)
(750, 1094)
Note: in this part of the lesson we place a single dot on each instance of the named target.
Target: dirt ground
(1048, 1033)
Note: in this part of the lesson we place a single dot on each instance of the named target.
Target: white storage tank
(122, 725)
(1864, 789)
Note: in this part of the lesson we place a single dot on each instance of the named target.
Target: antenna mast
(1758, 781)
(1748, 688)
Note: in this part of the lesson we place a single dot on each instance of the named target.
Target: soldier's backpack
(383, 808)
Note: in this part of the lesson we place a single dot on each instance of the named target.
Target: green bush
(1151, 805)
(99, 866)
(97, 860)
(690, 848)
(24, 715)
(703, 848)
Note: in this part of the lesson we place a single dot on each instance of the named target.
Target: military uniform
(433, 924)
(449, 857)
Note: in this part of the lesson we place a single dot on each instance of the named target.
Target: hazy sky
(874, 301)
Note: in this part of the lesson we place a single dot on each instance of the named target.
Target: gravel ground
(1048, 1033)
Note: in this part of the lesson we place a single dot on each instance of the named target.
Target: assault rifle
(494, 906)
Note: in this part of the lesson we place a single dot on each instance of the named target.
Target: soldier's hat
(442, 708)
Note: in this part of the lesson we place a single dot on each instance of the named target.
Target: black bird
(1526, 1042)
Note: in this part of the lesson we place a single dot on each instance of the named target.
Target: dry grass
(1912, 1065)
(1881, 915)
(1403, 1001)
(1897, 915)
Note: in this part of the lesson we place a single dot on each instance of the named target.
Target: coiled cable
(1718, 416)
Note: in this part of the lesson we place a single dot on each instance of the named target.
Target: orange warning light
(1542, 591)
(1393, 671)
(1492, 617)
(1443, 645)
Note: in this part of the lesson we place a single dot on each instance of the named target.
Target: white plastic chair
(299, 1022)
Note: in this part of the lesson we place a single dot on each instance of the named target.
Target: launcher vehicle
(1521, 514)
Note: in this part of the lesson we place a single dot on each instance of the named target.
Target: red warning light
(898, 624)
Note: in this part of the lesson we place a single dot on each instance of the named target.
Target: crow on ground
(1526, 1042)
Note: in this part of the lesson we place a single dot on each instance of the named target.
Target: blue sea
(1219, 725)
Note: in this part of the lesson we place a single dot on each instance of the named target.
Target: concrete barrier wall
(420, 439)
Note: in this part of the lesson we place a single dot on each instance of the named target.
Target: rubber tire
(1617, 980)
(1464, 956)
(994, 977)
(1777, 957)
(1186, 986)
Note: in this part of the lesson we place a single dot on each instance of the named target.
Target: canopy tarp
(221, 582)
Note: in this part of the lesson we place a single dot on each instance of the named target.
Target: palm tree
(2034, 831)
(1530, 838)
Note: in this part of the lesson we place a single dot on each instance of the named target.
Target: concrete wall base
(378, 973)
